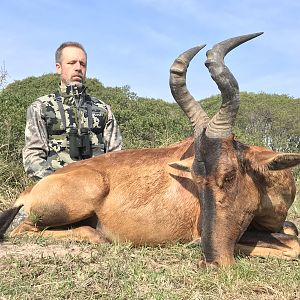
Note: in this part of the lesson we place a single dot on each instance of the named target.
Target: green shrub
(270, 120)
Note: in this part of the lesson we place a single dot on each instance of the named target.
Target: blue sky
(134, 42)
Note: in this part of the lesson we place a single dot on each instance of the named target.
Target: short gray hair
(63, 46)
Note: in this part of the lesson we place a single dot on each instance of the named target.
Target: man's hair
(64, 45)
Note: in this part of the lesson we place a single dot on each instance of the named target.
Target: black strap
(89, 111)
(61, 109)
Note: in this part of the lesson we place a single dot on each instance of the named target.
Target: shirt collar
(72, 94)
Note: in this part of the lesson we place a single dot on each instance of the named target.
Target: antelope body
(211, 187)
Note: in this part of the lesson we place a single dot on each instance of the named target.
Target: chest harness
(80, 144)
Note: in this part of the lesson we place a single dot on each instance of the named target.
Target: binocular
(80, 144)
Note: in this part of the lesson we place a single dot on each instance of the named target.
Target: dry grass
(12, 181)
(124, 272)
(294, 212)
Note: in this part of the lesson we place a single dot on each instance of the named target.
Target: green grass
(125, 272)
(294, 211)
(12, 181)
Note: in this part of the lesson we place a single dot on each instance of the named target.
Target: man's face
(72, 69)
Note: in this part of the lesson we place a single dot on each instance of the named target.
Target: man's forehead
(72, 52)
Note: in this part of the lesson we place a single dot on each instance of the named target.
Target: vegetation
(124, 272)
(270, 120)
(80, 271)
(3, 76)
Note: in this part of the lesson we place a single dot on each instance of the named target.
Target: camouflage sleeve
(112, 134)
(36, 149)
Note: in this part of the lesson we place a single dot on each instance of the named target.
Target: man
(68, 125)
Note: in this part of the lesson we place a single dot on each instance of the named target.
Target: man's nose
(77, 66)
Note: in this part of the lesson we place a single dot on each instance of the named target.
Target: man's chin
(77, 83)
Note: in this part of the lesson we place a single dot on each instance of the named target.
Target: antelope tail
(6, 218)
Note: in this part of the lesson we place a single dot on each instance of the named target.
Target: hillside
(263, 119)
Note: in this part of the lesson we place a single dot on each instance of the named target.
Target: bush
(269, 120)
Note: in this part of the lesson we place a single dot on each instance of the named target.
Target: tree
(263, 119)
(3, 76)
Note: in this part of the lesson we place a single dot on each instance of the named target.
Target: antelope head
(228, 196)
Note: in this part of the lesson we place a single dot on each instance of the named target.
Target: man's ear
(58, 68)
(183, 165)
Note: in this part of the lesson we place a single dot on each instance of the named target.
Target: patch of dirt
(36, 250)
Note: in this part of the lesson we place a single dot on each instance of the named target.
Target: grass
(12, 181)
(294, 211)
(125, 272)
(39, 268)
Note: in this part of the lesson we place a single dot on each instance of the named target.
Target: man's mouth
(77, 78)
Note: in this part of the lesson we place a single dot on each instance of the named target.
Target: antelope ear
(274, 161)
(183, 165)
(283, 161)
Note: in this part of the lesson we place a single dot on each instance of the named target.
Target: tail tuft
(6, 218)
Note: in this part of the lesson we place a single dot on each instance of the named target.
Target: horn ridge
(181, 94)
(222, 123)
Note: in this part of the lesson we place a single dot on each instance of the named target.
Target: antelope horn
(222, 123)
(182, 96)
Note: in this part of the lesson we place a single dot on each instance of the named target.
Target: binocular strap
(61, 110)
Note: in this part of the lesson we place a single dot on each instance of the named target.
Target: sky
(134, 42)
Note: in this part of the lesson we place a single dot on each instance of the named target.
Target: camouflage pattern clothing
(48, 125)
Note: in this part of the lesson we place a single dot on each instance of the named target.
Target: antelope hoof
(202, 264)
(290, 228)
(22, 228)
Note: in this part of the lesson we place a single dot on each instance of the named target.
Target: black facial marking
(208, 208)
(207, 155)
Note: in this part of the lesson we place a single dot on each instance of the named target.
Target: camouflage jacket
(47, 146)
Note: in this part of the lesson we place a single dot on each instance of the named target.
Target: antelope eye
(228, 178)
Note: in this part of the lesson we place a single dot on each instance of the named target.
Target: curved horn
(222, 123)
(182, 96)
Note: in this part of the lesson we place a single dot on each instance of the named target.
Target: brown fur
(149, 196)
(139, 198)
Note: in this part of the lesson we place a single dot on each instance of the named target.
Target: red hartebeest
(233, 196)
